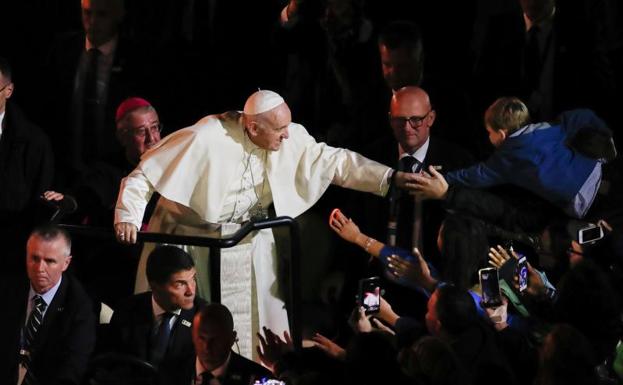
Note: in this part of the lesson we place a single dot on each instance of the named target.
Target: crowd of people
(481, 146)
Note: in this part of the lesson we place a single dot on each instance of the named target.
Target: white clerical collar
(1, 120)
(419, 154)
(158, 310)
(107, 48)
(48, 296)
(218, 372)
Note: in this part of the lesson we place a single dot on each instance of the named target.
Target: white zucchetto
(262, 101)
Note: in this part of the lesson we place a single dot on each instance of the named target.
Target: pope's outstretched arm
(134, 194)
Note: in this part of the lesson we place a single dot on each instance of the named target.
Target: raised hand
(272, 348)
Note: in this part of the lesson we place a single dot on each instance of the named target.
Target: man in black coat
(411, 118)
(26, 171)
(92, 73)
(137, 328)
(216, 363)
(48, 329)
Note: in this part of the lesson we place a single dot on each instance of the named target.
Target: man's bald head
(213, 335)
(411, 116)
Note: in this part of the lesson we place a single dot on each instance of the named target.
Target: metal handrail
(215, 244)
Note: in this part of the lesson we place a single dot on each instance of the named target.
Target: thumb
(434, 172)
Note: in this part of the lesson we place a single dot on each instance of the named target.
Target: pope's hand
(405, 180)
(125, 232)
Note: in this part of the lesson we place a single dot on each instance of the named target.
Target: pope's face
(272, 129)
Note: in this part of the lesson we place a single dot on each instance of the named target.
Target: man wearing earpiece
(216, 363)
(156, 326)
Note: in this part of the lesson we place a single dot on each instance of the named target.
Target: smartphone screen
(489, 283)
(590, 234)
(370, 294)
(522, 273)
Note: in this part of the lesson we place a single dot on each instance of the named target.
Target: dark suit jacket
(440, 153)
(130, 333)
(26, 171)
(64, 341)
(69, 138)
(373, 218)
(582, 72)
(240, 371)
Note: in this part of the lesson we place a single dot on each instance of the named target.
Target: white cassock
(209, 176)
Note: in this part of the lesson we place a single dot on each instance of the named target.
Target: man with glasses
(138, 128)
(411, 117)
(26, 170)
(398, 220)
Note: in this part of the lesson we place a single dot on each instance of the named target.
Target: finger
(132, 234)
(396, 273)
(416, 252)
(434, 173)
(262, 341)
(287, 338)
(339, 215)
(269, 333)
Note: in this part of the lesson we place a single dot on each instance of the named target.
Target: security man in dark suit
(216, 363)
(411, 117)
(48, 327)
(156, 326)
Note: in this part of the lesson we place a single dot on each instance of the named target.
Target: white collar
(48, 296)
(1, 120)
(419, 154)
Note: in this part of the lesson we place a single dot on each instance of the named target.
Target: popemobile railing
(215, 245)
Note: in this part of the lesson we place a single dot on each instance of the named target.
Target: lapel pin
(186, 323)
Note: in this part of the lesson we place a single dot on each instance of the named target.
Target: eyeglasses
(414, 121)
(141, 132)
(5, 86)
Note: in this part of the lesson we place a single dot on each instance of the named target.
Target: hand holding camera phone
(490, 285)
(522, 273)
(370, 294)
(590, 234)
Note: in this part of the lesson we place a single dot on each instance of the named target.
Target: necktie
(409, 217)
(34, 320)
(32, 325)
(90, 76)
(161, 340)
(206, 377)
(410, 164)
(532, 59)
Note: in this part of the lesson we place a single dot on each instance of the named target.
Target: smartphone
(590, 234)
(490, 285)
(522, 273)
(370, 294)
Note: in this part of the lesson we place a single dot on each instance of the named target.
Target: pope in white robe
(212, 175)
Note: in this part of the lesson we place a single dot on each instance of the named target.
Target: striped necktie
(32, 325)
